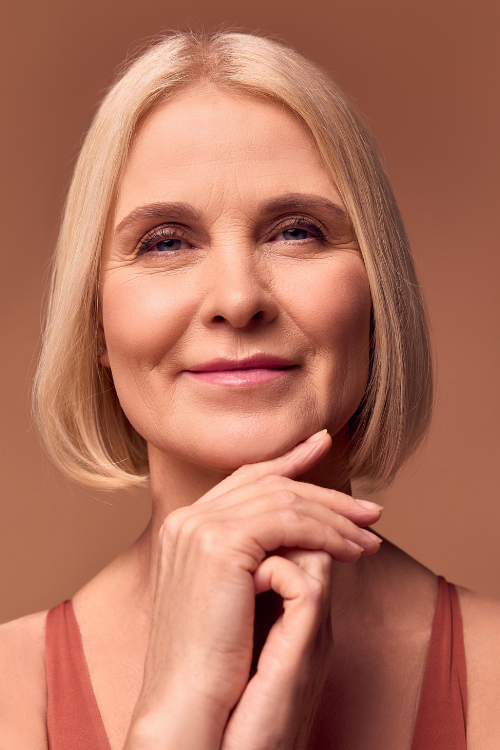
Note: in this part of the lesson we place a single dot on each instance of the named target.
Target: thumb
(294, 462)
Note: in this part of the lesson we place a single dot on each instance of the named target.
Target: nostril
(240, 321)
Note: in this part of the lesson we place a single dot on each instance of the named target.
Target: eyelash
(171, 232)
(157, 235)
(304, 223)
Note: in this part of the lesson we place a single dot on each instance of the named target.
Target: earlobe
(102, 351)
(103, 357)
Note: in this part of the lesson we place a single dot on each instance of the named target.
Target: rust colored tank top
(74, 721)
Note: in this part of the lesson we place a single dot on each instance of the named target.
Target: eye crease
(299, 226)
(168, 236)
(168, 239)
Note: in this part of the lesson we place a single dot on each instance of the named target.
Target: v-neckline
(446, 600)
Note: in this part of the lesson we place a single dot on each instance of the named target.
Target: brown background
(425, 73)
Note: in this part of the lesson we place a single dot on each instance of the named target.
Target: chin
(230, 458)
(232, 451)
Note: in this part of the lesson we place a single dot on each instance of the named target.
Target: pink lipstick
(253, 370)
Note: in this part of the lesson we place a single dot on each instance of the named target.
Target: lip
(254, 370)
(257, 361)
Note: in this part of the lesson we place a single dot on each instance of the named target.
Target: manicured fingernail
(371, 536)
(353, 545)
(316, 436)
(368, 505)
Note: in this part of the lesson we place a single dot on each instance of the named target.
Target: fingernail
(372, 536)
(368, 504)
(316, 436)
(354, 545)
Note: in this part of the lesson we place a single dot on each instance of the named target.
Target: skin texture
(241, 505)
(235, 287)
(237, 282)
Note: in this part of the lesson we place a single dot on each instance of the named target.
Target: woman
(234, 314)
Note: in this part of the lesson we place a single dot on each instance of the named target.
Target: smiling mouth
(254, 370)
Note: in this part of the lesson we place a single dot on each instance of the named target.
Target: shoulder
(481, 618)
(23, 692)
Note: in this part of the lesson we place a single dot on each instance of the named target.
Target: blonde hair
(77, 409)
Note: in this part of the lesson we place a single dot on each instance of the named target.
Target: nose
(237, 290)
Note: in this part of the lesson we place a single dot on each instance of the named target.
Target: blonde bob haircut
(82, 424)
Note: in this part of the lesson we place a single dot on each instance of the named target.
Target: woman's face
(228, 240)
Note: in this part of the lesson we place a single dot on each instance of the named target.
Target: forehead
(216, 149)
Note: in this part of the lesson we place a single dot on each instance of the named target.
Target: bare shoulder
(23, 692)
(481, 616)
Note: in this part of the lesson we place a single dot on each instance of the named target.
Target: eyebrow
(179, 211)
(301, 201)
(158, 212)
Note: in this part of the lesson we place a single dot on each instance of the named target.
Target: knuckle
(287, 497)
(342, 520)
(316, 590)
(289, 516)
(171, 526)
(339, 500)
(190, 526)
(337, 495)
(206, 538)
(345, 524)
(334, 539)
(247, 470)
(192, 530)
(272, 479)
(318, 564)
(184, 530)
(322, 563)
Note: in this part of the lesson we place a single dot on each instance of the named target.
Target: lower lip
(241, 377)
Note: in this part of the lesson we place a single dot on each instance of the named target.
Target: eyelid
(178, 231)
(160, 232)
(305, 221)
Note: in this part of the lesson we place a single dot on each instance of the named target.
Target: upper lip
(255, 361)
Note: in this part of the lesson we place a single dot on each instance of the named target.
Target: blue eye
(295, 233)
(168, 245)
(163, 241)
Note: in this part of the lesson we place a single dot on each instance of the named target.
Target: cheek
(335, 309)
(143, 317)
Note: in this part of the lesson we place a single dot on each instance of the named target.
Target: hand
(210, 554)
(277, 708)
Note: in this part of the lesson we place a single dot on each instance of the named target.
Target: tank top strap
(73, 718)
(442, 712)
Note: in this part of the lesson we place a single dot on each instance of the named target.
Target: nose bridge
(237, 285)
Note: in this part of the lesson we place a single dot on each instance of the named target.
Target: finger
(362, 513)
(281, 574)
(273, 697)
(294, 462)
(248, 537)
(288, 528)
(244, 503)
(304, 595)
(317, 502)
(317, 564)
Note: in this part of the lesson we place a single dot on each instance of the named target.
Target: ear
(102, 350)
(103, 357)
